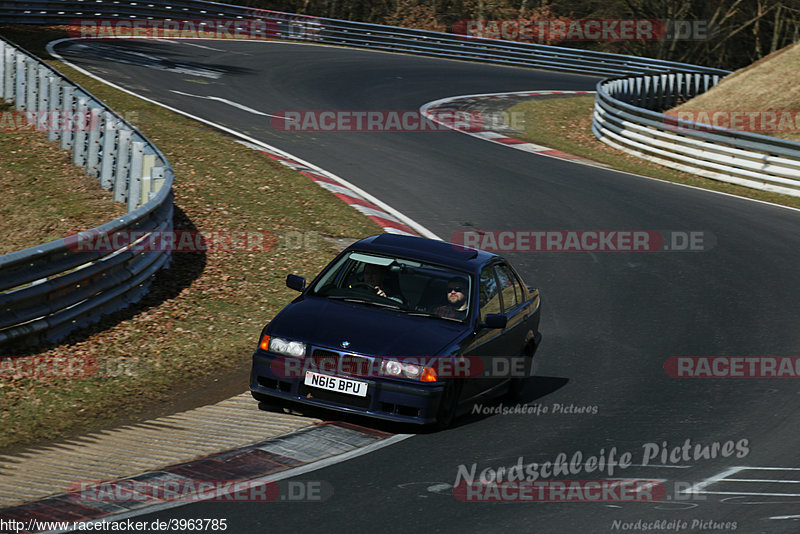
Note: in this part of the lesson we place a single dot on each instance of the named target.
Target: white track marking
(229, 102)
(700, 488)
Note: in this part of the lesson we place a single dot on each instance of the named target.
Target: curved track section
(495, 127)
(611, 320)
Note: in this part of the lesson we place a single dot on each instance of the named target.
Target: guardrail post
(639, 97)
(148, 162)
(135, 183)
(108, 159)
(31, 98)
(43, 93)
(8, 76)
(123, 166)
(19, 89)
(158, 176)
(3, 68)
(93, 143)
(79, 123)
(686, 86)
(670, 91)
(67, 98)
(646, 96)
(53, 132)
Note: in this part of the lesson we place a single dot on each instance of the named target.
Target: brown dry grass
(771, 84)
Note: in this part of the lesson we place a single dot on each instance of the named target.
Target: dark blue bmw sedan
(401, 328)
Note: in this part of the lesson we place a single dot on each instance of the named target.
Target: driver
(375, 277)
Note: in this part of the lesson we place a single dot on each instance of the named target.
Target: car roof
(426, 250)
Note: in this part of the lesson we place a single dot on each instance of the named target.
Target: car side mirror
(495, 320)
(293, 281)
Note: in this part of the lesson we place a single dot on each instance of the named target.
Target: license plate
(336, 383)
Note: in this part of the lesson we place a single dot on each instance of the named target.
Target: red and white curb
(446, 106)
(230, 475)
(390, 220)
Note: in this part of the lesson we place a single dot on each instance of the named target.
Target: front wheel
(448, 405)
(516, 386)
(267, 403)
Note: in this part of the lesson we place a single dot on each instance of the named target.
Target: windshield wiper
(364, 301)
(426, 314)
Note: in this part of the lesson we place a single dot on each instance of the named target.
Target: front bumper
(392, 400)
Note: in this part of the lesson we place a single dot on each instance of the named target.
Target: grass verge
(199, 324)
(565, 123)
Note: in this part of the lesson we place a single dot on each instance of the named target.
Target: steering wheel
(363, 285)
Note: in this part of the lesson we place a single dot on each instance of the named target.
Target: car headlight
(414, 371)
(283, 346)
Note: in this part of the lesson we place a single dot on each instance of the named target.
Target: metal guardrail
(348, 33)
(627, 116)
(50, 290)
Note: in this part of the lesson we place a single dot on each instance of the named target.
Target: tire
(260, 397)
(448, 406)
(515, 389)
(267, 403)
(516, 385)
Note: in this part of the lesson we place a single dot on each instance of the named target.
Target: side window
(509, 287)
(489, 293)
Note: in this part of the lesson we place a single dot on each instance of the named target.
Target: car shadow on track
(536, 388)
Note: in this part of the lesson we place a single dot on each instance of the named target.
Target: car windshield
(407, 285)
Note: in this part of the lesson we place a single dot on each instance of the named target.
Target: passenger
(456, 307)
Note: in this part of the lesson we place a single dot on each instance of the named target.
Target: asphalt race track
(610, 320)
